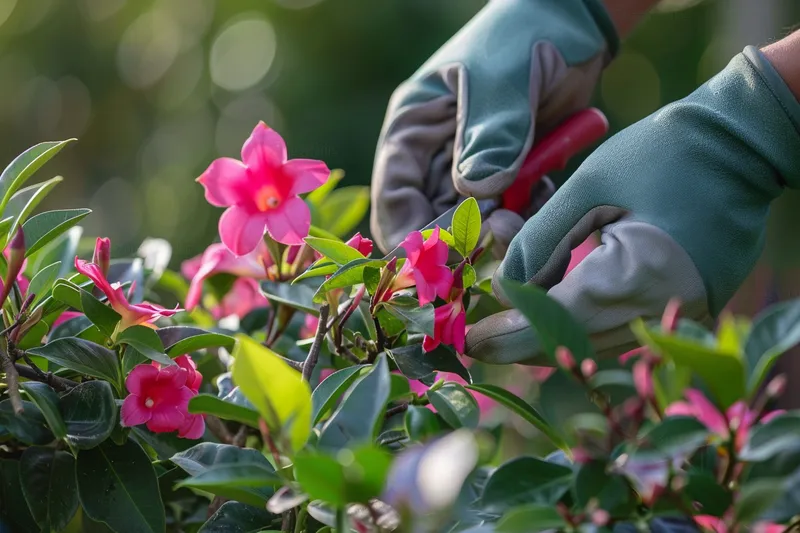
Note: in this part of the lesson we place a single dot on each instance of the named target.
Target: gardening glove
(681, 200)
(465, 121)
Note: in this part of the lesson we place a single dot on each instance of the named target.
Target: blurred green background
(156, 89)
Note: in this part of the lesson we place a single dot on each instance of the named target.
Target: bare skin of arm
(785, 57)
(626, 14)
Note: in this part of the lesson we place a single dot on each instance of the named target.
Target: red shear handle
(553, 153)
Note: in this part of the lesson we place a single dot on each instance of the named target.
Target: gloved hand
(463, 124)
(681, 199)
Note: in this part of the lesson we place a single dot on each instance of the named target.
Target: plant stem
(396, 410)
(792, 527)
(381, 336)
(58, 383)
(301, 520)
(12, 378)
(288, 521)
(313, 353)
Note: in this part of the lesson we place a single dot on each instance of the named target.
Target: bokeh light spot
(238, 119)
(147, 49)
(631, 87)
(98, 10)
(6, 8)
(242, 53)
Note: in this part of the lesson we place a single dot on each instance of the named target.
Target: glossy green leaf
(278, 391)
(673, 437)
(326, 268)
(530, 518)
(343, 209)
(348, 275)
(200, 342)
(400, 388)
(164, 444)
(415, 364)
(469, 276)
(19, 200)
(421, 423)
(416, 319)
(29, 427)
(553, 324)
(172, 336)
(235, 517)
(101, 315)
(328, 392)
(466, 226)
(337, 251)
(297, 296)
(82, 356)
(765, 441)
(43, 281)
(34, 199)
(525, 480)
(705, 489)
(593, 481)
(774, 332)
(68, 293)
(724, 373)
(63, 249)
(43, 228)
(755, 497)
(147, 342)
(47, 401)
(455, 405)
(357, 419)
(352, 477)
(523, 409)
(23, 167)
(318, 195)
(13, 507)
(117, 486)
(89, 413)
(212, 405)
(47, 479)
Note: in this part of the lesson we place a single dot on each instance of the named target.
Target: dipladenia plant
(288, 379)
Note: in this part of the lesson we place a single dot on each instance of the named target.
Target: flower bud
(16, 259)
(669, 320)
(600, 517)
(777, 386)
(564, 358)
(102, 254)
(643, 379)
(363, 245)
(588, 368)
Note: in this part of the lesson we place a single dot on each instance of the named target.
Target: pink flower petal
(308, 174)
(172, 376)
(459, 331)
(92, 271)
(289, 223)
(429, 344)
(241, 231)
(193, 427)
(139, 378)
(225, 182)
(264, 149)
(165, 418)
(134, 412)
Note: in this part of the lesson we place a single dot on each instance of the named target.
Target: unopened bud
(643, 379)
(669, 320)
(391, 266)
(600, 517)
(102, 254)
(777, 386)
(564, 358)
(16, 258)
(588, 368)
(458, 276)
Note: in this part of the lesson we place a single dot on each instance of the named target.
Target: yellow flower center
(149, 402)
(267, 198)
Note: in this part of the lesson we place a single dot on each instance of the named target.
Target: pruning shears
(532, 188)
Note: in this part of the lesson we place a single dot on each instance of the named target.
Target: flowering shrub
(294, 382)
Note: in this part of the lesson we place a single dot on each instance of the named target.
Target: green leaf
(523, 409)
(469, 276)
(102, 316)
(67, 292)
(455, 405)
(63, 248)
(673, 437)
(47, 401)
(780, 434)
(42, 190)
(275, 389)
(416, 319)
(47, 479)
(297, 296)
(525, 480)
(344, 209)
(23, 167)
(89, 413)
(318, 195)
(13, 507)
(467, 226)
(444, 236)
(611, 491)
(348, 275)
(421, 423)
(723, 372)
(414, 364)
(43, 281)
(774, 332)
(337, 251)
(45, 227)
(145, 341)
(553, 324)
(316, 231)
(703, 488)
(164, 444)
(235, 517)
(200, 342)
(117, 486)
(357, 419)
(325, 395)
(529, 519)
(211, 405)
(352, 477)
(29, 427)
(607, 380)
(755, 498)
(400, 389)
(209, 461)
(82, 356)
(326, 268)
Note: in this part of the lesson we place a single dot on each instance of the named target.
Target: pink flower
(449, 326)
(244, 296)
(362, 244)
(718, 525)
(158, 397)
(261, 192)
(102, 254)
(193, 378)
(66, 315)
(643, 379)
(132, 314)
(737, 419)
(309, 328)
(425, 267)
(218, 259)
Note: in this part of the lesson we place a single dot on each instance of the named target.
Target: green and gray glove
(681, 199)
(464, 122)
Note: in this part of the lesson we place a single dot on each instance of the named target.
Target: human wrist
(784, 56)
(626, 14)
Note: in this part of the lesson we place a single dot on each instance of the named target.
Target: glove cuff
(606, 26)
